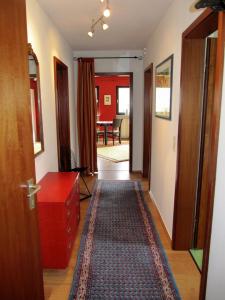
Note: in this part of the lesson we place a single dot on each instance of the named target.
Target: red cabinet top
(57, 186)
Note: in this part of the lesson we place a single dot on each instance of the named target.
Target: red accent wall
(107, 86)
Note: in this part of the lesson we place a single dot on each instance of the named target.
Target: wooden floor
(57, 283)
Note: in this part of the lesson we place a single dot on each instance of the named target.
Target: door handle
(32, 189)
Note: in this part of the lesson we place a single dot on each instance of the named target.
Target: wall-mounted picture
(163, 85)
(107, 99)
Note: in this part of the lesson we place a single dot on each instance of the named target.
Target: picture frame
(107, 99)
(164, 88)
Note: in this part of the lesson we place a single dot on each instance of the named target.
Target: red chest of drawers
(59, 213)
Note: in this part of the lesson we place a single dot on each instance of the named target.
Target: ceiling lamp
(105, 26)
(91, 33)
(106, 14)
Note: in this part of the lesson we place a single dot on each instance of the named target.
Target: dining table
(105, 124)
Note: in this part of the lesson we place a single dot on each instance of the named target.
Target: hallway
(57, 283)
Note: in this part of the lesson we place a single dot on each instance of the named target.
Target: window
(97, 97)
(123, 100)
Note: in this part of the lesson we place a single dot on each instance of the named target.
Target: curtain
(87, 108)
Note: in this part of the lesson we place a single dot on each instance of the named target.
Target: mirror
(163, 86)
(35, 99)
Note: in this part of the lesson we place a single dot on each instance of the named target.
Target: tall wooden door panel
(62, 115)
(203, 201)
(20, 268)
(189, 142)
(148, 78)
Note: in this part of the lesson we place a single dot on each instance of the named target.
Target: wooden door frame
(58, 62)
(130, 74)
(205, 24)
(147, 139)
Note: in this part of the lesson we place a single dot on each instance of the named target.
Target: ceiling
(131, 22)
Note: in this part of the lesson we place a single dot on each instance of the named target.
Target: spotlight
(91, 33)
(106, 12)
(105, 26)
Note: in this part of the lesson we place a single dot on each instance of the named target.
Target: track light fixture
(106, 14)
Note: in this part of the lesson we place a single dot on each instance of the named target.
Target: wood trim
(62, 124)
(31, 52)
(130, 74)
(195, 29)
(131, 124)
(202, 196)
(214, 146)
(148, 99)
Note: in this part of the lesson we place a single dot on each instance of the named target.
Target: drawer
(70, 200)
(69, 246)
(74, 196)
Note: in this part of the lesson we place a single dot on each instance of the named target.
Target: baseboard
(137, 172)
(160, 216)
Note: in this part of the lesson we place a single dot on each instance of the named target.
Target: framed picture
(107, 99)
(163, 86)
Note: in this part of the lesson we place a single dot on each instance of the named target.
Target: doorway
(201, 85)
(62, 115)
(148, 92)
(114, 120)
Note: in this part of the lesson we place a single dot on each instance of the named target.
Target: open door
(20, 267)
(148, 92)
(62, 115)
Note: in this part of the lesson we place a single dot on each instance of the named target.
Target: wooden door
(62, 115)
(20, 269)
(204, 169)
(148, 86)
(188, 142)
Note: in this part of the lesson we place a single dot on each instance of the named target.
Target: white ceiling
(131, 22)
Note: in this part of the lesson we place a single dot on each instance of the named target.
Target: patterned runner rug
(121, 256)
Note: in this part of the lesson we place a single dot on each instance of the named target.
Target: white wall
(125, 65)
(166, 40)
(47, 42)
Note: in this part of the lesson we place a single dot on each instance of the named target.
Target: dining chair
(100, 133)
(115, 131)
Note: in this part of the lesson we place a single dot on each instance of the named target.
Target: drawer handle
(70, 245)
(68, 203)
